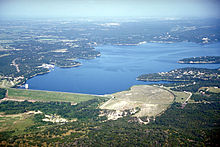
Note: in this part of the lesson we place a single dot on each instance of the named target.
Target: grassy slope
(47, 95)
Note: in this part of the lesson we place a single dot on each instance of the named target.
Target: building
(26, 86)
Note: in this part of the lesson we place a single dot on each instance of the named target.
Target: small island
(201, 60)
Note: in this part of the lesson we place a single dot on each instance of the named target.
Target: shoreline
(7, 98)
(20, 84)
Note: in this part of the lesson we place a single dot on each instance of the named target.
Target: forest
(2, 93)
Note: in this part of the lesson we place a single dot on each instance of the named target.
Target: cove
(117, 68)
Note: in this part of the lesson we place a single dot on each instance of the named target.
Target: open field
(16, 122)
(180, 96)
(37, 95)
(150, 99)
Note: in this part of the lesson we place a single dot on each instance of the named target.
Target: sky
(109, 8)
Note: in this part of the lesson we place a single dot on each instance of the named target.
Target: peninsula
(201, 60)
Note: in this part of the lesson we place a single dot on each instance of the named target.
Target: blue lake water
(118, 67)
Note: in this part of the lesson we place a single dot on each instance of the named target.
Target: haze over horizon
(109, 8)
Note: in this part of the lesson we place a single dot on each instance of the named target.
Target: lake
(118, 67)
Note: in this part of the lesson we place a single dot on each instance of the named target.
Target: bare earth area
(151, 100)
